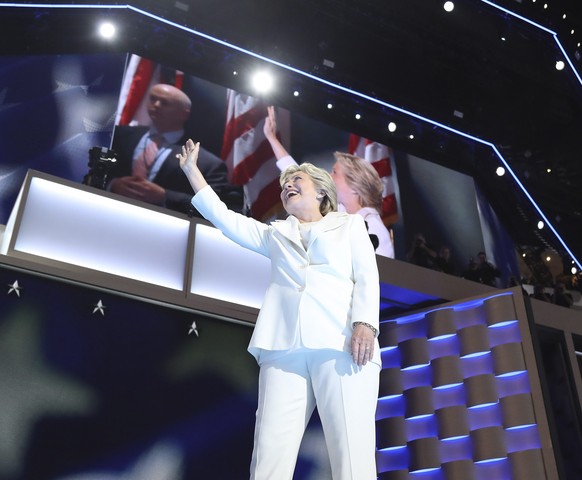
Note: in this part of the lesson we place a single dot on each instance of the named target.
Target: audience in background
(539, 293)
(470, 273)
(421, 253)
(486, 270)
(561, 297)
(514, 282)
(444, 262)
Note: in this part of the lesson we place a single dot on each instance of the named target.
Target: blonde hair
(322, 180)
(362, 177)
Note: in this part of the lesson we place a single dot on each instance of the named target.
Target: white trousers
(290, 387)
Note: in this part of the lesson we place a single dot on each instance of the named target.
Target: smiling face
(301, 198)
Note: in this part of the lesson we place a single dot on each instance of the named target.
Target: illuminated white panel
(226, 271)
(89, 230)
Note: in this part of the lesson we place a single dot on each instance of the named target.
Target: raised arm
(270, 131)
(189, 165)
(284, 160)
(246, 231)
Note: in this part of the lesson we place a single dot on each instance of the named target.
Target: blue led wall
(455, 397)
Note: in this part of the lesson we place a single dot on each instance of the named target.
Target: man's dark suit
(170, 176)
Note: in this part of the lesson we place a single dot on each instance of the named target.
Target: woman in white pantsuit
(316, 335)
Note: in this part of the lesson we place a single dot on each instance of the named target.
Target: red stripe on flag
(267, 199)
(383, 167)
(389, 206)
(238, 125)
(248, 166)
(179, 83)
(137, 90)
(353, 143)
(249, 156)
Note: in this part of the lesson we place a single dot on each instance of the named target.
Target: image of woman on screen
(359, 187)
(315, 338)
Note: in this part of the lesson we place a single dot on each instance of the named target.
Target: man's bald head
(168, 107)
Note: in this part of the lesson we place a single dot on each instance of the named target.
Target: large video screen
(56, 109)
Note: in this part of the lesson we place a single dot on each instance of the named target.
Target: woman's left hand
(362, 344)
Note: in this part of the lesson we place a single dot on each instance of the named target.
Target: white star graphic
(193, 329)
(189, 362)
(99, 307)
(64, 86)
(92, 126)
(30, 389)
(14, 287)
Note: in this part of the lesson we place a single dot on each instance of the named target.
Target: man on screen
(147, 168)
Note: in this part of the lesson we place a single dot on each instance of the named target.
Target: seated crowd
(481, 270)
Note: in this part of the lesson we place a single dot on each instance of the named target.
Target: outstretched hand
(189, 164)
(270, 131)
(189, 156)
(270, 126)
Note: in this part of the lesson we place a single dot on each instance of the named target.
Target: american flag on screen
(141, 74)
(249, 157)
(380, 156)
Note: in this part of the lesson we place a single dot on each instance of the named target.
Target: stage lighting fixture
(540, 225)
(329, 106)
(560, 65)
(263, 81)
(392, 127)
(107, 30)
(449, 6)
(358, 116)
(296, 93)
(500, 171)
(573, 270)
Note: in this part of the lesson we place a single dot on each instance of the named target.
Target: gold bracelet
(371, 327)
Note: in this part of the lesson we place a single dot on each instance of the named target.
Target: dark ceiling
(476, 86)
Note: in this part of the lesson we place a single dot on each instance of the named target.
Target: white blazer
(314, 293)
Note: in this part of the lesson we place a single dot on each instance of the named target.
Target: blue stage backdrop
(100, 386)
